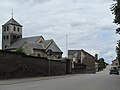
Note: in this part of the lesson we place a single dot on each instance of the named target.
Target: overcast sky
(88, 23)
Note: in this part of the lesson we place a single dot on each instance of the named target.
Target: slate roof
(21, 41)
(34, 45)
(53, 46)
(87, 53)
(12, 22)
(32, 42)
(71, 52)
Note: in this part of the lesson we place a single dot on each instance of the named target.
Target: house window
(7, 28)
(14, 28)
(18, 29)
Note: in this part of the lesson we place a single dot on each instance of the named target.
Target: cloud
(88, 24)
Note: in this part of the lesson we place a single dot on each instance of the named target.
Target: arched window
(18, 29)
(4, 28)
(7, 28)
(7, 37)
(14, 28)
(39, 55)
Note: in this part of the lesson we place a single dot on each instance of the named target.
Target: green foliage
(96, 56)
(101, 64)
(19, 50)
(118, 50)
(115, 8)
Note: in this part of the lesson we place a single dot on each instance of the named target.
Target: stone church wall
(16, 65)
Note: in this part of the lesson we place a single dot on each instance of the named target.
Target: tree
(118, 50)
(101, 64)
(115, 8)
(96, 56)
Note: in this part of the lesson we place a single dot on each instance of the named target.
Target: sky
(88, 24)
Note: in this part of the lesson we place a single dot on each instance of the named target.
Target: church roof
(52, 45)
(32, 42)
(34, 45)
(21, 41)
(12, 22)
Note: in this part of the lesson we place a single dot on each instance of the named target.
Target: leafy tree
(101, 64)
(115, 8)
(118, 51)
(96, 56)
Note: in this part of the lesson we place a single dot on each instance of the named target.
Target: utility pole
(66, 46)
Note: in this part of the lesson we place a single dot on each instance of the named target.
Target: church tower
(11, 31)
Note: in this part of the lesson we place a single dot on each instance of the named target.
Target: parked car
(114, 70)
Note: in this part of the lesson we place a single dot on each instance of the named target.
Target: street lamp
(49, 53)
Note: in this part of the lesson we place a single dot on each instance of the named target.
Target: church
(12, 40)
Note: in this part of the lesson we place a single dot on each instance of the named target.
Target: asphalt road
(99, 81)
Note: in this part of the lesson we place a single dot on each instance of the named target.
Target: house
(35, 46)
(82, 59)
(115, 62)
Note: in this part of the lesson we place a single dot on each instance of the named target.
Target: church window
(4, 28)
(18, 36)
(18, 29)
(14, 29)
(40, 42)
(5, 46)
(14, 36)
(7, 37)
(4, 37)
(38, 55)
(7, 28)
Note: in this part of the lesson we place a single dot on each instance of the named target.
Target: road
(100, 81)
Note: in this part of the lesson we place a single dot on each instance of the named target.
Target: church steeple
(11, 31)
